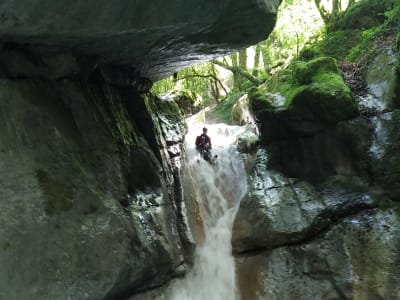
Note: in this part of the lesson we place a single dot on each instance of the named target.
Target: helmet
(205, 129)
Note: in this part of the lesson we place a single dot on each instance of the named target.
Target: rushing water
(218, 191)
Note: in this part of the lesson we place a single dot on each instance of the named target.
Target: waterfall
(218, 190)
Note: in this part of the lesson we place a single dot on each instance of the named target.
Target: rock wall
(321, 219)
(90, 187)
(89, 175)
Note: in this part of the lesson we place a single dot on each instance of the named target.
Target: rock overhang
(157, 37)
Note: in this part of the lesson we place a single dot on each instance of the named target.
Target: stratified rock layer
(156, 37)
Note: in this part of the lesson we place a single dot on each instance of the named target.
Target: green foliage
(163, 86)
(196, 79)
(223, 111)
(392, 14)
(338, 44)
(308, 53)
(298, 24)
(361, 15)
(283, 81)
(364, 48)
(351, 35)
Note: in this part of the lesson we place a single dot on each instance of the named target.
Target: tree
(257, 59)
(329, 15)
(238, 67)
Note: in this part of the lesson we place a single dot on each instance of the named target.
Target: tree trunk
(257, 60)
(237, 71)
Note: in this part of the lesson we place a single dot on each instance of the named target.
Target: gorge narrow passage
(217, 190)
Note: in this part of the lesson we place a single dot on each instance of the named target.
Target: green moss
(223, 111)
(338, 44)
(308, 53)
(306, 72)
(365, 48)
(398, 41)
(57, 195)
(315, 91)
(281, 81)
(362, 15)
(258, 100)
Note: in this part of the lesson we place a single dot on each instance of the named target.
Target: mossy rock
(322, 93)
(169, 108)
(362, 15)
(323, 101)
(309, 53)
(258, 100)
(339, 43)
(316, 97)
(307, 72)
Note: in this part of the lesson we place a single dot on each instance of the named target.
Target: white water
(218, 190)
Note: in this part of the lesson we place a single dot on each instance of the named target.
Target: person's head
(205, 130)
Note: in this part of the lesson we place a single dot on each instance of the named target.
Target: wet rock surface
(136, 33)
(355, 259)
(321, 218)
(280, 210)
(90, 194)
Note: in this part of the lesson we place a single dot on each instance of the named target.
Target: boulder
(248, 141)
(316, 98)
(241, 112)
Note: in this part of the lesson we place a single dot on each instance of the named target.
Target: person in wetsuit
(203, 144)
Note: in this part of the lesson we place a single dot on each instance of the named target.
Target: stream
(218, 190)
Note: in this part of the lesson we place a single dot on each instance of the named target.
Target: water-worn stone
(157, 37)
(87, 203)
(385, 153)
(382, 80)
(357, 258)
(248, 141)
(241, 113)
(341, 150)
(279, 210)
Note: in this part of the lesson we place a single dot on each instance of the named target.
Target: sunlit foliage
(298, 23)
